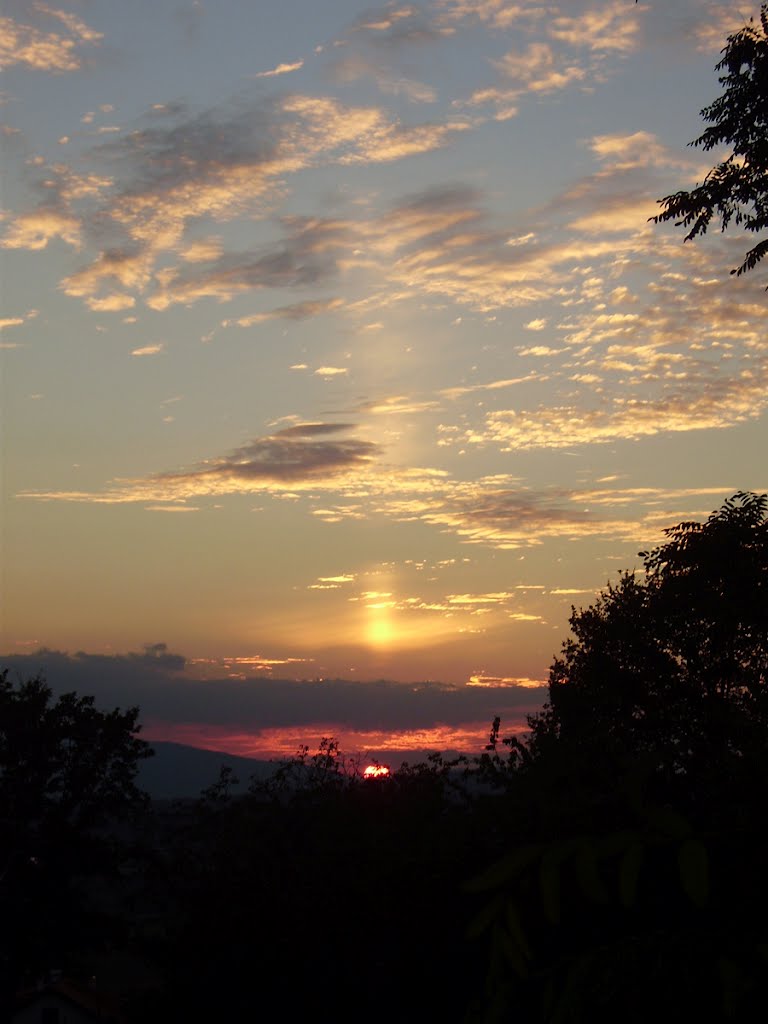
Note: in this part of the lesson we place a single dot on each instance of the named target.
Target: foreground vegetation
(609, 866)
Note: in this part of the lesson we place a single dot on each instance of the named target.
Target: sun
(380, 630)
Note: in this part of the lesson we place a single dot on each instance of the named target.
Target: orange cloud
(275, 744)
(111, 303)
(45, 51)
(281, 69)
(610, 26)
(717, 404)
(34, 230)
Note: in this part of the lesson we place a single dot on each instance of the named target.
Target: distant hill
(179, 771)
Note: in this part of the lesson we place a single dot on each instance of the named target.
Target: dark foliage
(321, 892)
(634, 888)
(66, 782)
(609, 867)
(677, 662)
(735, 190)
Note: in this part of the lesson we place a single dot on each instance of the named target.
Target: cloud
(190, 17)
(444, 243)
(389, 142)
(393, 27)
(292, 455)
(537, 68)
(497, 511)
(16, 321)
(502, 513)
(498, 13)
(291, 458)
(111, 303)
(428, 219)
(539, 350)
(170, 690)
(309, 253)
(470, 600)
(446, 246)
(296, 311)
(202, 251)
(571, 591)
(378, 38)
(398, 405)
(494, 385)
(356, 66)
(507, 518)
(623, 342)
(359, 135)
(37, 49)
(610, 26)
(331, 371)
(715, 24)
(281, 69)
(617, 214)
(577, 52)
(34, 230)
(124, 268)
(147, 350)
(638, 149)
(506, 682)
(170, 508)
(505, 101)
(313, 429)
(218, 164)
(71, 22)
(416, 92)
(713, 404)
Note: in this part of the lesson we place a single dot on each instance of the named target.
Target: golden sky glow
(370, 295)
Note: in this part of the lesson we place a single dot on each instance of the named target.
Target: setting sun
(380, 630)
(365, 402)
(396, 370)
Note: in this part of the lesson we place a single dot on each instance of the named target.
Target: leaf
(617, 842)
(511, 951)
(483, 920)
(503, 870)
(693, 862)
(515, 926)
(669, 822)
(629, 873)
(734, 984)
(549, 884)
(588, 874)
(548, 998)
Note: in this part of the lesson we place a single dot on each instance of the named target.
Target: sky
(339, 356)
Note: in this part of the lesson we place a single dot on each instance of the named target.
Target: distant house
(62, 1001)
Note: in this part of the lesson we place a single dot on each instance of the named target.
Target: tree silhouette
(324, 889)
(736, 190)
(677, 661)
(67, 775)
(633, 886)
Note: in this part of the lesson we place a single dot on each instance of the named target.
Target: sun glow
(380, 631)
(376, 771)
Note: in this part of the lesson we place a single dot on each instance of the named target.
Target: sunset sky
(336, 345)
